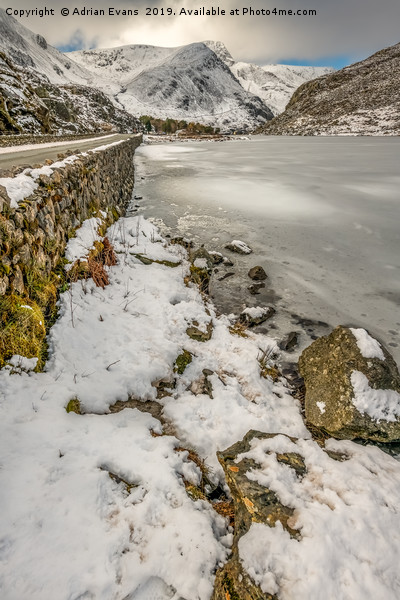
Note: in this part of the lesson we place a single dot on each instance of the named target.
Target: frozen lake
(321, 214)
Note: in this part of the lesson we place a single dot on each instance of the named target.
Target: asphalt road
(41, 152)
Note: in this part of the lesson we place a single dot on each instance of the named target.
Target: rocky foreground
(161, 454)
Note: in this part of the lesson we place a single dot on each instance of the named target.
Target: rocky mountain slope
(190, 82)
(362, 99)
(21, 109)
(43, 91)
(31, 51)
(274, 84)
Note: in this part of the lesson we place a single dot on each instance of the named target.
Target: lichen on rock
(350, 394)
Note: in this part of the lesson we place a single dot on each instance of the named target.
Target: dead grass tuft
(98, 272)
(108, 254)
(225, 509)
(102, 256)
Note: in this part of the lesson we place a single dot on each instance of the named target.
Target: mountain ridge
(361, 99)
(188, 82)
(273, 83)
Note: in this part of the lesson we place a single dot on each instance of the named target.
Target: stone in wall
(35, 234)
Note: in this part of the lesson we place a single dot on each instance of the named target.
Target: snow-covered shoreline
(95, 505)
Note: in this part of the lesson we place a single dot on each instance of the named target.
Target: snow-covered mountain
(362, 99)
(31, 51)
(190, 82)
(93, 89)
(274, 84)
(44, 91)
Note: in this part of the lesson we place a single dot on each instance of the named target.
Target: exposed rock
(217, 257)
(164, 385)
(290, 341)
(226, 276)
(201, 259)
(257, 273)
(202, 385)
(3, 284)
(201, 269)
(253, 503)
(255, 288)
(17, 284)
(187, 244)
(256, 315)
(352, 386)
(239, 247)
(227, 262)
(4, 197)
(197, 334)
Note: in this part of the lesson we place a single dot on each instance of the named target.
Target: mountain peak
(221, 51)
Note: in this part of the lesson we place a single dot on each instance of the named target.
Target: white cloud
(354, 28)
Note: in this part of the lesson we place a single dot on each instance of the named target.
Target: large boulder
(352, 386)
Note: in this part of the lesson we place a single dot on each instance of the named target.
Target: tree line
(153, 125)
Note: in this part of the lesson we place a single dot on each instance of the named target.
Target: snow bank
(78, 248)
(347, 515)
(94, 504)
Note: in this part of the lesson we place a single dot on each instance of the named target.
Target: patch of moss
(238, 329)
(97, 249)
(71, 233)
(22, 328)
(148, 261)
(74, 405)
(79, 270)
(182, 361)
(229, 588)
(194, 492)
(199, 336)
(50, 245)
(41, 287)
(271, 372)
(200, 277)
(4, 269)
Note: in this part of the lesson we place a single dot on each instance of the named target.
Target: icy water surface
(321, 214)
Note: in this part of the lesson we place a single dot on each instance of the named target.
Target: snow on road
(24, 147)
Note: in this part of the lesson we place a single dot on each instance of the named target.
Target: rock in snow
(239, 247)
(295, 536)
(352, 386)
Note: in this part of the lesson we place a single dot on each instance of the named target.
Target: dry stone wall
(34, 235)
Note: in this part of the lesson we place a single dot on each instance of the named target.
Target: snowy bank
(95, 502)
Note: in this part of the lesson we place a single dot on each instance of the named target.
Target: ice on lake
(321, 214)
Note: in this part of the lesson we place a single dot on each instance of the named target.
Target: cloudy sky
(342, 32)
